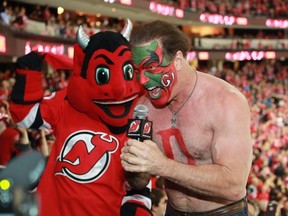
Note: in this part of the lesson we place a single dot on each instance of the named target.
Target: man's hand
(142, 157)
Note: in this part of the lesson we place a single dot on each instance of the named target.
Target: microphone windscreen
(141, 111)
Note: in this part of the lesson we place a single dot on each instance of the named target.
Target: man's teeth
(156, 93)
(151, 88)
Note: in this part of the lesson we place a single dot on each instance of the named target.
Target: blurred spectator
(62, 28)
(7, 16)
(70, 30)
(46, 15)
(284, 208)
(159, 202)
(13, 139)
(43, 141)
(253, 208)
(51, 27)
(21, 20)
(8, 138)
(5, 89)
(36, 14)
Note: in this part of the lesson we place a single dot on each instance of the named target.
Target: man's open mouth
(154, 92)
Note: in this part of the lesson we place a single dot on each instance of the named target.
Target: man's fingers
(137, 147)
(131, 167)
(129, 158)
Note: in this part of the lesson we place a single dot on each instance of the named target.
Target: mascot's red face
(104, 84)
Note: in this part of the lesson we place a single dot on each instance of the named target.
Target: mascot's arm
(137, 200)
(27, 93)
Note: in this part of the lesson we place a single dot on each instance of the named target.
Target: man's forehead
(141, 52)
(150, 44)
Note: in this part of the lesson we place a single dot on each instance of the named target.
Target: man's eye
(102, 75)
(151, 68)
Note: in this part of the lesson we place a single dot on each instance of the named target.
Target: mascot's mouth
(116, 109)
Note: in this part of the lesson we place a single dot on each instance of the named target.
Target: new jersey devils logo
(147, 127)
(86, 155)
(134, 126)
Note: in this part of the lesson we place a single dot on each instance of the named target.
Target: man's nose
(143, 79)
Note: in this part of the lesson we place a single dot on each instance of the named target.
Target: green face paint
(154, 79)
(150, 51)
(142, 52)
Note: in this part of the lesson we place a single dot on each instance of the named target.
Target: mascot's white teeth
(115, 102)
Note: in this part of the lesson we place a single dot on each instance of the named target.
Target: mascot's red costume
(83, 175)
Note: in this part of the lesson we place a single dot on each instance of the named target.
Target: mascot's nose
(120, 91)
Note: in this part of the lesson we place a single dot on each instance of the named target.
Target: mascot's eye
(102, 75)
(128, 72)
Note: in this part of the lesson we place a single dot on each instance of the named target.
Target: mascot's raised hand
(31, 63)
(83, 175)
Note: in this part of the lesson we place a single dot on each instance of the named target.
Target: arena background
(242, 42)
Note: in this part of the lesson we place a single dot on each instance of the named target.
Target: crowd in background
(264, 83)
(248, 8)
(49, 22)
(21, 16)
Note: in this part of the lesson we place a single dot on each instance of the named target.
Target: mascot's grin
(116, 109)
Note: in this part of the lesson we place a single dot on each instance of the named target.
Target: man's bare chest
(189, 142)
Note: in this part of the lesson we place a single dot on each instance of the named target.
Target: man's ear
(178, 59)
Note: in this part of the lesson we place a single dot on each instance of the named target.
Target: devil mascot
(83, 175)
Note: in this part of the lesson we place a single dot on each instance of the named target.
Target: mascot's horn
(127, 29)
(82, 38)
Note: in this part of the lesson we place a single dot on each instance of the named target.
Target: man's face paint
(156, 72)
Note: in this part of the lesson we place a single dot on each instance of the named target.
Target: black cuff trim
(23, 147)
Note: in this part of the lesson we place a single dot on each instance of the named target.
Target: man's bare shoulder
(222, 97)
(220, 89)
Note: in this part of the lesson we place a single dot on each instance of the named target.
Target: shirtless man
(201, 128)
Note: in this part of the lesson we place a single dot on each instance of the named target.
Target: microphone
(139, 127)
